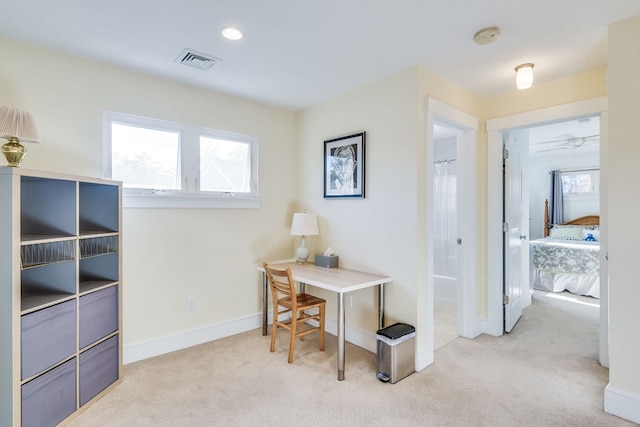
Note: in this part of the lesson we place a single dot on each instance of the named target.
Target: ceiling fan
(572, 143)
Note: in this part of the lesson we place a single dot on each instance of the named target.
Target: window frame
(190, 195)
(583, 195)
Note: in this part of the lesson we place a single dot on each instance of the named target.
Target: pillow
(566, 233)
(595, 233)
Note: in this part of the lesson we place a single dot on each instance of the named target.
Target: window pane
(224, 165)
(145, 158)
(579, 183)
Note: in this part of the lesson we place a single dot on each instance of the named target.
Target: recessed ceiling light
(231, 33)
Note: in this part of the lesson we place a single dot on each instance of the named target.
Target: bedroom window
(168, 164)
(580, 182)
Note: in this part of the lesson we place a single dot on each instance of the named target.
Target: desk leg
(265, 310)
(340, 336)
(380, 306)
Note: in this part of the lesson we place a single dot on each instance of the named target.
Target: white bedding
(560, 265)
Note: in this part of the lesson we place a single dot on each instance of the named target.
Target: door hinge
(505, 227)
(505, 299)
(505, 154)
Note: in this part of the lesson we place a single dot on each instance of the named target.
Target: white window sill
(159, 201)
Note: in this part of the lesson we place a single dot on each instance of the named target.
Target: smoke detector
(196, 59)
(487, 35)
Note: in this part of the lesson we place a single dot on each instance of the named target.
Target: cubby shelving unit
(60, 294)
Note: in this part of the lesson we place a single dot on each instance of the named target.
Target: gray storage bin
(48, 336)
(51, 397)
(98, 315)
(98, 368)
(396, 352)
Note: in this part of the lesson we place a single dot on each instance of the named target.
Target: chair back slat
(282, 284)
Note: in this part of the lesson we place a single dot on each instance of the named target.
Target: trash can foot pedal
(382, 377)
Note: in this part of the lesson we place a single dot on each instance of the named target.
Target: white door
(517, 295)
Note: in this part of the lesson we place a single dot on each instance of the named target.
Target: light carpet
(544, 373)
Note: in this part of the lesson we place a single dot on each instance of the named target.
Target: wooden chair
(284, 294)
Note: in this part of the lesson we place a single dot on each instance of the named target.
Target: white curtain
(445, 233)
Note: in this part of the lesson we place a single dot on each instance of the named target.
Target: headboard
(583, 220)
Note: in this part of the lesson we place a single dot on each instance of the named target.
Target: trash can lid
(396, 331)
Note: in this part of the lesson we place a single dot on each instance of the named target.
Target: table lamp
(16, 126)
(304, 224)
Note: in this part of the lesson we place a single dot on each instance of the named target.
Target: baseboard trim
(177, 341)
(184, 339)
(622, 404)
(364, 339)
(424, 358)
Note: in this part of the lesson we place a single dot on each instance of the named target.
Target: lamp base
(14, 152)
(302, 255)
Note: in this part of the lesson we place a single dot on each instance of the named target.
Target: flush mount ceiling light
(487, 35)
(231, 33)
(524, 76)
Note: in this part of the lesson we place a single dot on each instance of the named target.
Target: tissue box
(326, 260)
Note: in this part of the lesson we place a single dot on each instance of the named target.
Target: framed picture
(344, 166)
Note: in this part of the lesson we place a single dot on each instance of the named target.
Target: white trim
(557, 113)
(363, 339)
(622, 404)
(437, 111)
(188, 338)
(495, 128)
(188, 201)
(424, 358)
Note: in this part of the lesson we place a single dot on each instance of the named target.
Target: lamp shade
(304, 224)
(524, 76)
(16, 123)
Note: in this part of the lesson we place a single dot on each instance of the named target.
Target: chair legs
(292, 340)
(321, 327)
(293, 330)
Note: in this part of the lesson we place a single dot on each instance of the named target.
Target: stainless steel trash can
(396, 352)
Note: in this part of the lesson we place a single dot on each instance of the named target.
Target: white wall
(623, 392)
(169, 255)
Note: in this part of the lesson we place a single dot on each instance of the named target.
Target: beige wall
(624, 206)
(376, 233)
(382, 232)
(169, 254)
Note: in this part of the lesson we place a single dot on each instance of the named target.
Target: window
(167, 164)
(580, 182)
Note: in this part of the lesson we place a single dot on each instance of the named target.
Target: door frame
(466, 125)
(495, 128)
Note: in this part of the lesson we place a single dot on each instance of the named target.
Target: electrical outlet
(350, 300)
(191, 304)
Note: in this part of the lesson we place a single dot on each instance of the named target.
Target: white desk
(339, 280)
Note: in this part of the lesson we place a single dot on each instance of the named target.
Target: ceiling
(296, 53)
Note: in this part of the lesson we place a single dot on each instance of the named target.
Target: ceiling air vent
(196, 59)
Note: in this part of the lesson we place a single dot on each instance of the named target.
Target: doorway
(463, 129)
(445, 235)
(497, 129)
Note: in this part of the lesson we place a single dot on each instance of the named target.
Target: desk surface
(339, 280)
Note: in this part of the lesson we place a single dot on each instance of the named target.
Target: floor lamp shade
(304, 224)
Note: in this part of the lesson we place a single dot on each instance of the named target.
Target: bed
(568, 258)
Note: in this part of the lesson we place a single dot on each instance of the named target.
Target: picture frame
(344, 166)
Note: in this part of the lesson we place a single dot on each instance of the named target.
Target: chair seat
(303, 300)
